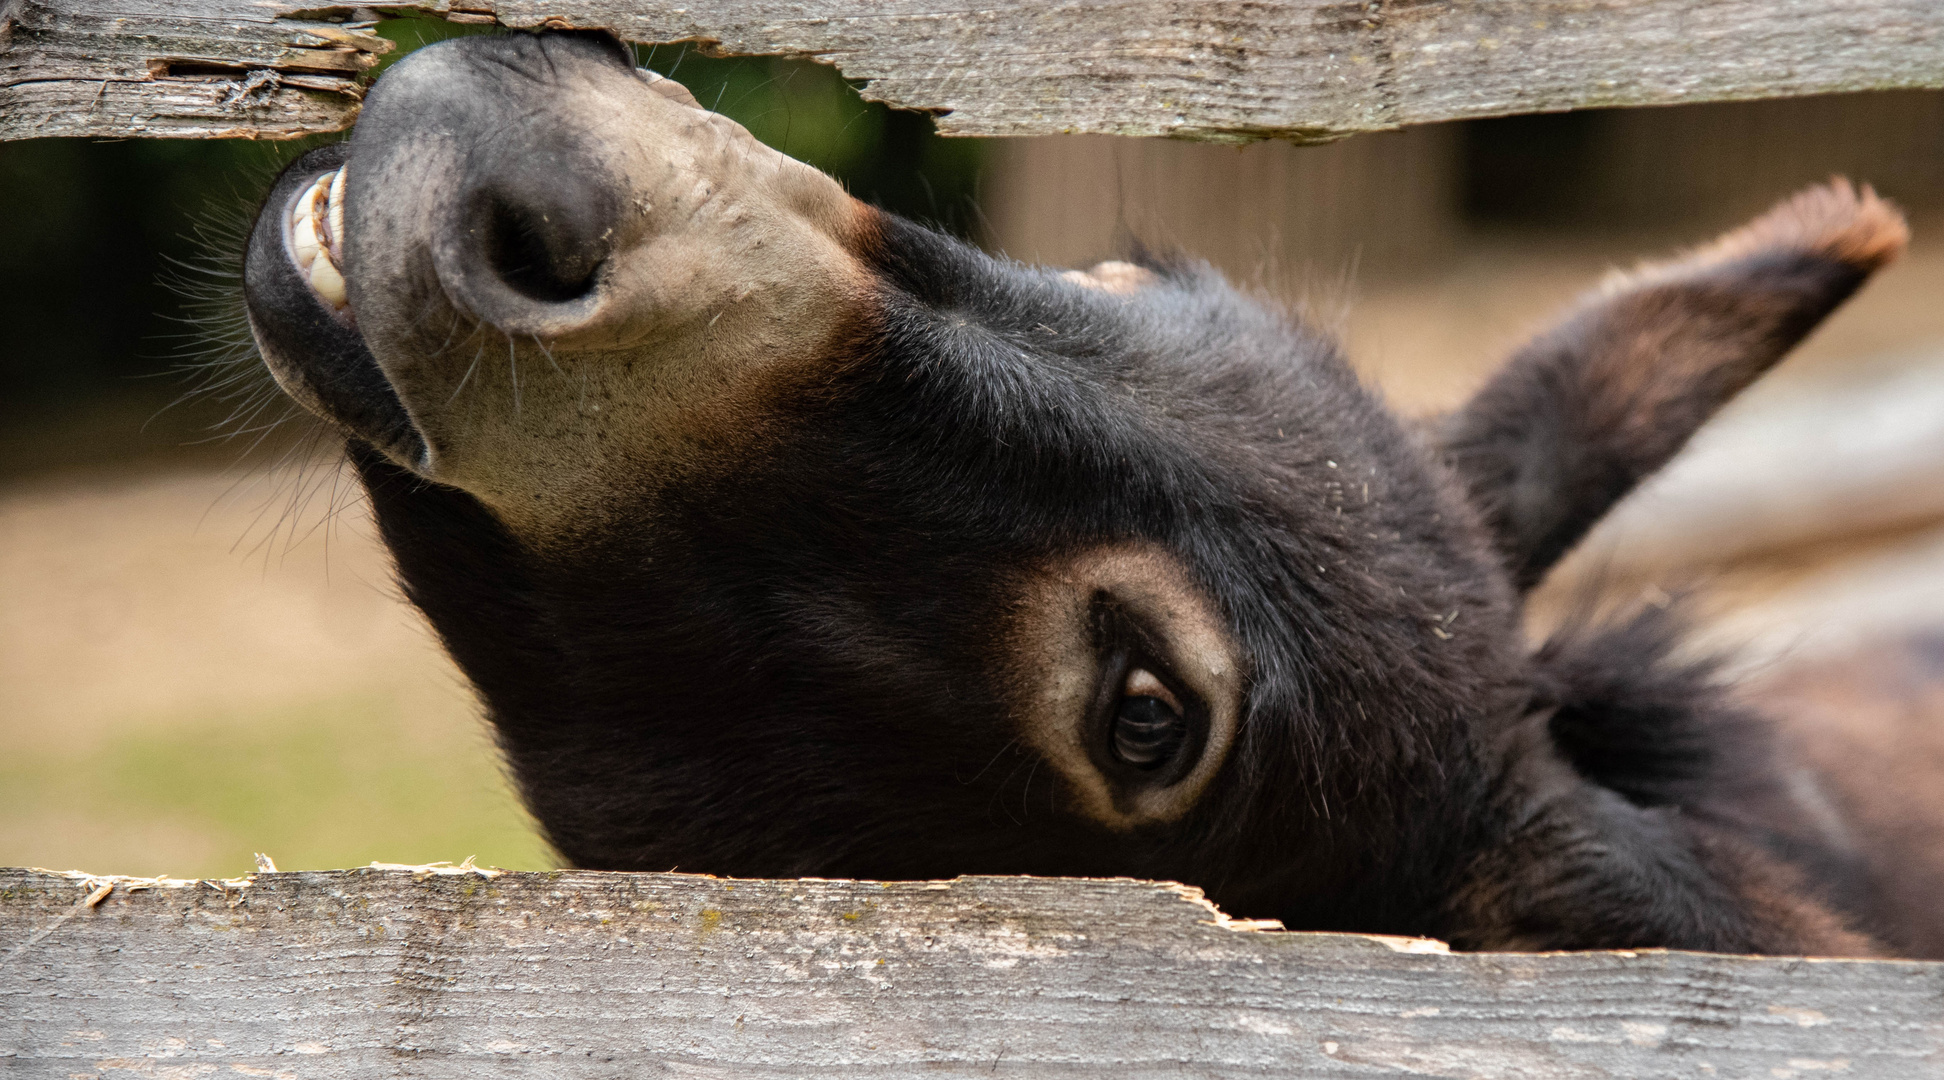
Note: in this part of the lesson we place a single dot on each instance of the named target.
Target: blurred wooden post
(442, 972)
(1286, 219)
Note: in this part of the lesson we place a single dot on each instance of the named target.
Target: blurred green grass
(337, 782)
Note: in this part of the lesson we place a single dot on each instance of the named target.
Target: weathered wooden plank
(204, 68)
(394, 972)
(1207, 69)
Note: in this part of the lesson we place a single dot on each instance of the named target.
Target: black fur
(1656, 730)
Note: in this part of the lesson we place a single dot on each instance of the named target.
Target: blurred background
(202, 655)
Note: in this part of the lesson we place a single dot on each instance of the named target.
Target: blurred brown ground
(188, 676)
(200, 660)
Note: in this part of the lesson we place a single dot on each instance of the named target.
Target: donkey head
(783, 536)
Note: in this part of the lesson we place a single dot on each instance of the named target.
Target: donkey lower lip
(298, 305)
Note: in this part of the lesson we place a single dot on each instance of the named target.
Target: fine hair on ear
(1592, 405)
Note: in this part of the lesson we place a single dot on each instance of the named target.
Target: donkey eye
(1149, 728)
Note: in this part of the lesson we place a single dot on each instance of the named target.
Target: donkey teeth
(316, 231)
(303, 242)
(334, 213)
(305, 205)
(327, 282)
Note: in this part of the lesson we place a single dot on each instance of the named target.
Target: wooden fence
(431, 972)
(437, 972)
(1208, 69)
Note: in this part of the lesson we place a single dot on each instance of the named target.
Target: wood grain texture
(393, 972)
(1203, 69)
(198, 68)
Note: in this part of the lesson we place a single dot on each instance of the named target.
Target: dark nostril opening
(545, 252)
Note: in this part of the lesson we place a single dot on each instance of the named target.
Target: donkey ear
(1591, 406)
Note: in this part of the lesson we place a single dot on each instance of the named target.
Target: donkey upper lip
(314, 235)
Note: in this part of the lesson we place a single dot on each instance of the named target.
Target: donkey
(781, 536)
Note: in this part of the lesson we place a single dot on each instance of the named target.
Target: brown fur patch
(1557, 879)
(1779, 904)
(1870, 729)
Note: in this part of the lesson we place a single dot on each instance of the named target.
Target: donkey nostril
(541, 252)
(529, 239)
(544, 235)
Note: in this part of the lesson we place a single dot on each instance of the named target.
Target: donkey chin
(782, 536)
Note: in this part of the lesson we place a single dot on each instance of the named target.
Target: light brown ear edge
(1839, 220)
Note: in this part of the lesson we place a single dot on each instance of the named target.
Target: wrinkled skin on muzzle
(782, 536)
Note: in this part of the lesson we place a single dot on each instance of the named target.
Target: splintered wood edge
(397, 879)
(97, 888)
(1306, 72)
